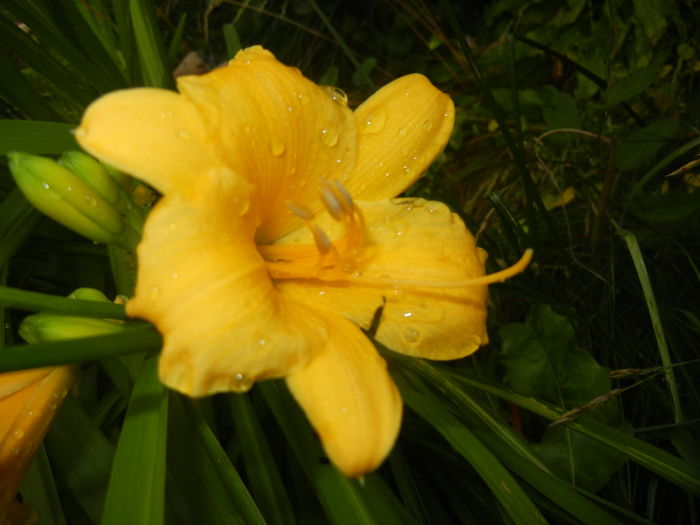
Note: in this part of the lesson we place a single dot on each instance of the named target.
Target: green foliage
(595, 100)
(542, 361)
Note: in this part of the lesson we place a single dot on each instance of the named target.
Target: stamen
(332, 203)
(344, 194)
(491, 278)
(300, 211)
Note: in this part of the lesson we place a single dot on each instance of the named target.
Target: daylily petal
(278, 129)
(202, 282)
(350, 399)
(410, 240)
(402, 128)
(153, 134)
(28, 403)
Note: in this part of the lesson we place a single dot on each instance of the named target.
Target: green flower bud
(91, 173)
(122, 179)
(89, 294)
(63, 196)
(43, 327)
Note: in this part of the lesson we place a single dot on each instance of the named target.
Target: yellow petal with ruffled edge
(153, 134)
(278, 129)
(28, 404)
(402, 128)
(202, 282)
(350, 399)
(408, 240)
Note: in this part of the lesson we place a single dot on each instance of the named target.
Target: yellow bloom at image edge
(278, 238)
(29, 400)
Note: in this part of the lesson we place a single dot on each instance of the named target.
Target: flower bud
(91, 173)
(63, 196)
(42, 327)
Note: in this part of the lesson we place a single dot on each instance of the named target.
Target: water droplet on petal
(329, 137)
(18, 433)
(154, 292)
(15, 451)
(412, 336)
(402, 132)
(80, 132)
(428, 124)
(277, 148)
(262, 341)
(241, 383)
(407, 314)
(344, 410)
(69, 188)
(374, 122)
(337, 94)
(184, 135)
(46, 186)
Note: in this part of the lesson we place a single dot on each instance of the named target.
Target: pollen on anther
(332, 203)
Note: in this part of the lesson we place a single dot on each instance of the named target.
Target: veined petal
(407, 240)
(278, 129)
(402, 128)
(350, 399)
(154, 134)
(202, 282)
(28, 403)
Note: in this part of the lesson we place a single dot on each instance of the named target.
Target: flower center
(328, 260)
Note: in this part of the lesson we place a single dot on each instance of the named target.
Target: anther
(332, 203)
(300, 211)
(344, 195)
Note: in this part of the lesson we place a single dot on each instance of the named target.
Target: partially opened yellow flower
(278, 240)
(28, 403)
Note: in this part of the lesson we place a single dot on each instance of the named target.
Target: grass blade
(136, 493)
(43, 138)
(34, 301)
(132, 340)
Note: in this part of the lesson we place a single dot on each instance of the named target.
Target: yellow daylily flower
(28, 402)
(278, 239)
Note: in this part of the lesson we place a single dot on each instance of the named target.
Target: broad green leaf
(652, 16)
(31, 136)
(559, 111)
(641, 145)
(542, 361)
(136, 492)
(233, 41)
(674, 205)
(633, 84)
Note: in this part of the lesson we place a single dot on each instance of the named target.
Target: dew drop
(154, 292)
(329, 137)
(337, 94)
(15, 451)
(402, 132)
(428, 124)
(69, 188)
(80, 132)
(46, 186)
(277, 148)
(374, 122)
(241, 383)
(437, 208)
(322, 293)
(412, 336)
(407, 314)
(174, 275)
(344, 410)
(262, 341)
(184, 135)
(18, 433)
